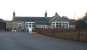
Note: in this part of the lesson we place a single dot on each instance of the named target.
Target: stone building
(2, 25)
(23, 23)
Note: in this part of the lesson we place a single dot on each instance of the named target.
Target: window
(58, 25)
(26, 25)
(29, 25)
(65, 25)
(19, 24)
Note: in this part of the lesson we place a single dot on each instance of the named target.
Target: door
(29, 27)
(30, 30)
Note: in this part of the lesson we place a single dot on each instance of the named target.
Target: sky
(73, 9)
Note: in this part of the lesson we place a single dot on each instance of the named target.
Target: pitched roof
(72, 21)
(42, 20)
(38, 20)
(57, 18)
(1, 20)
(64, 18)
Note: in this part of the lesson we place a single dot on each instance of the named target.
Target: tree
(81, 25)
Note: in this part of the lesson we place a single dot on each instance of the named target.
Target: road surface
(26, 41)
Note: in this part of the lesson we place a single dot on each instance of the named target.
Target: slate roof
(55, 18)
(41, 20)
(72, 21)
(65, 19)
(1, 20)
(37, 20)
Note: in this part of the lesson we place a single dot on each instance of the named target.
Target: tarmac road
(26, 41)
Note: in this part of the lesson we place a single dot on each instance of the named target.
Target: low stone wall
(68, 35)
(83, 36)
(64, 34)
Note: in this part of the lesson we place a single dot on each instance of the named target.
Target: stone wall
(64, 34)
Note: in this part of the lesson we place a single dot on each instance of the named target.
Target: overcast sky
(71, 8)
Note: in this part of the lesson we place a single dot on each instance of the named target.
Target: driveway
(26, 41)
